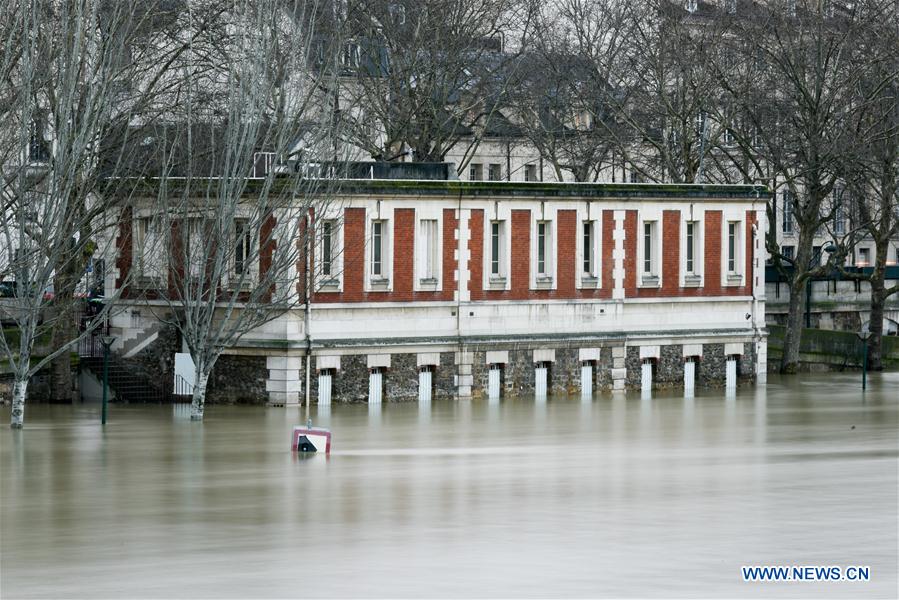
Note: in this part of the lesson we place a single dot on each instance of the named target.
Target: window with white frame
(243, 246)
(428, 254)
(728, 139)
(787, 214)
(589, 265)
(379, 259)
(198, 245)
(530, 172)
(864, 257)
(147, 249)
(733, 248)
(544, 249)
(330, 249)
(839, 216)
(495, 172)
(475, 171)
(788, 252)
(691, 5)
(692, 249)
(497, 250)
(650, 267)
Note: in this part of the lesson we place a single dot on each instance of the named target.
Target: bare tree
(221, 244)
(419, 77)
(671, 91)
(66, 76)
(795, 94)
(872, 177)
(565, 93)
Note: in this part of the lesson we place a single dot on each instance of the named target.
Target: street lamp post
(107, 341)
(864, 335)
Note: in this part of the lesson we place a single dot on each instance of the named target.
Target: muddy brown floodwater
(608, 497)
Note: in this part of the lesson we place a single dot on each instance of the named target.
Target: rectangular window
(544, 243)
(728, 139)
(530, 172)
(329, 248)
(864, 257)
(242, 246)
(38, 148)
(839, 218)
(649, 248)
(199, 245)
(475, 172)
(788, 252)
(691, 248)
(732, 241)
(496, 248)
(378, 229)
(428, 253)
(495, 172)
(589, 266)
(787, 221)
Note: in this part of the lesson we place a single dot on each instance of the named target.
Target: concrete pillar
(284, 382)
(587, 379)
(324, 387)
(425, 383)
(619, 368)
(730, 378)
(761, 366)
(540, 379)
(375, 385)
(689, 376)
(646, 375)
(464, 378)
(494, 381)
(618, 235)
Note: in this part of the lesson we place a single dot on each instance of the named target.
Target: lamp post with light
(107, 341)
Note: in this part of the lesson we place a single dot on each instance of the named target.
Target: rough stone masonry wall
(238, 380)
(747, 363)
(669, 371)
(156, 362)
(634, 367)
(518, 376)
(402, 378)
(444, 378)
(350, 384)
(565, 372)
(712, 367)
(603, 371)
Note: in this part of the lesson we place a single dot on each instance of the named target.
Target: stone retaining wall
(242, 379)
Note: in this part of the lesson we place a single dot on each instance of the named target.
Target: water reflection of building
(437, 283)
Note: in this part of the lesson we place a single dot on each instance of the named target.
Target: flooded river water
(613, 496)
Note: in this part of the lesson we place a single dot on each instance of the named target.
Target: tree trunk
(63, 332)
(17, 418)
(789, 362)
(198, 401)
(61, 366)
(875, 325)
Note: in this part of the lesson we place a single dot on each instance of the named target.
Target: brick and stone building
(461, 285)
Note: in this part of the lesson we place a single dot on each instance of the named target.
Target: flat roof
(469, 189)
(406, 187)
